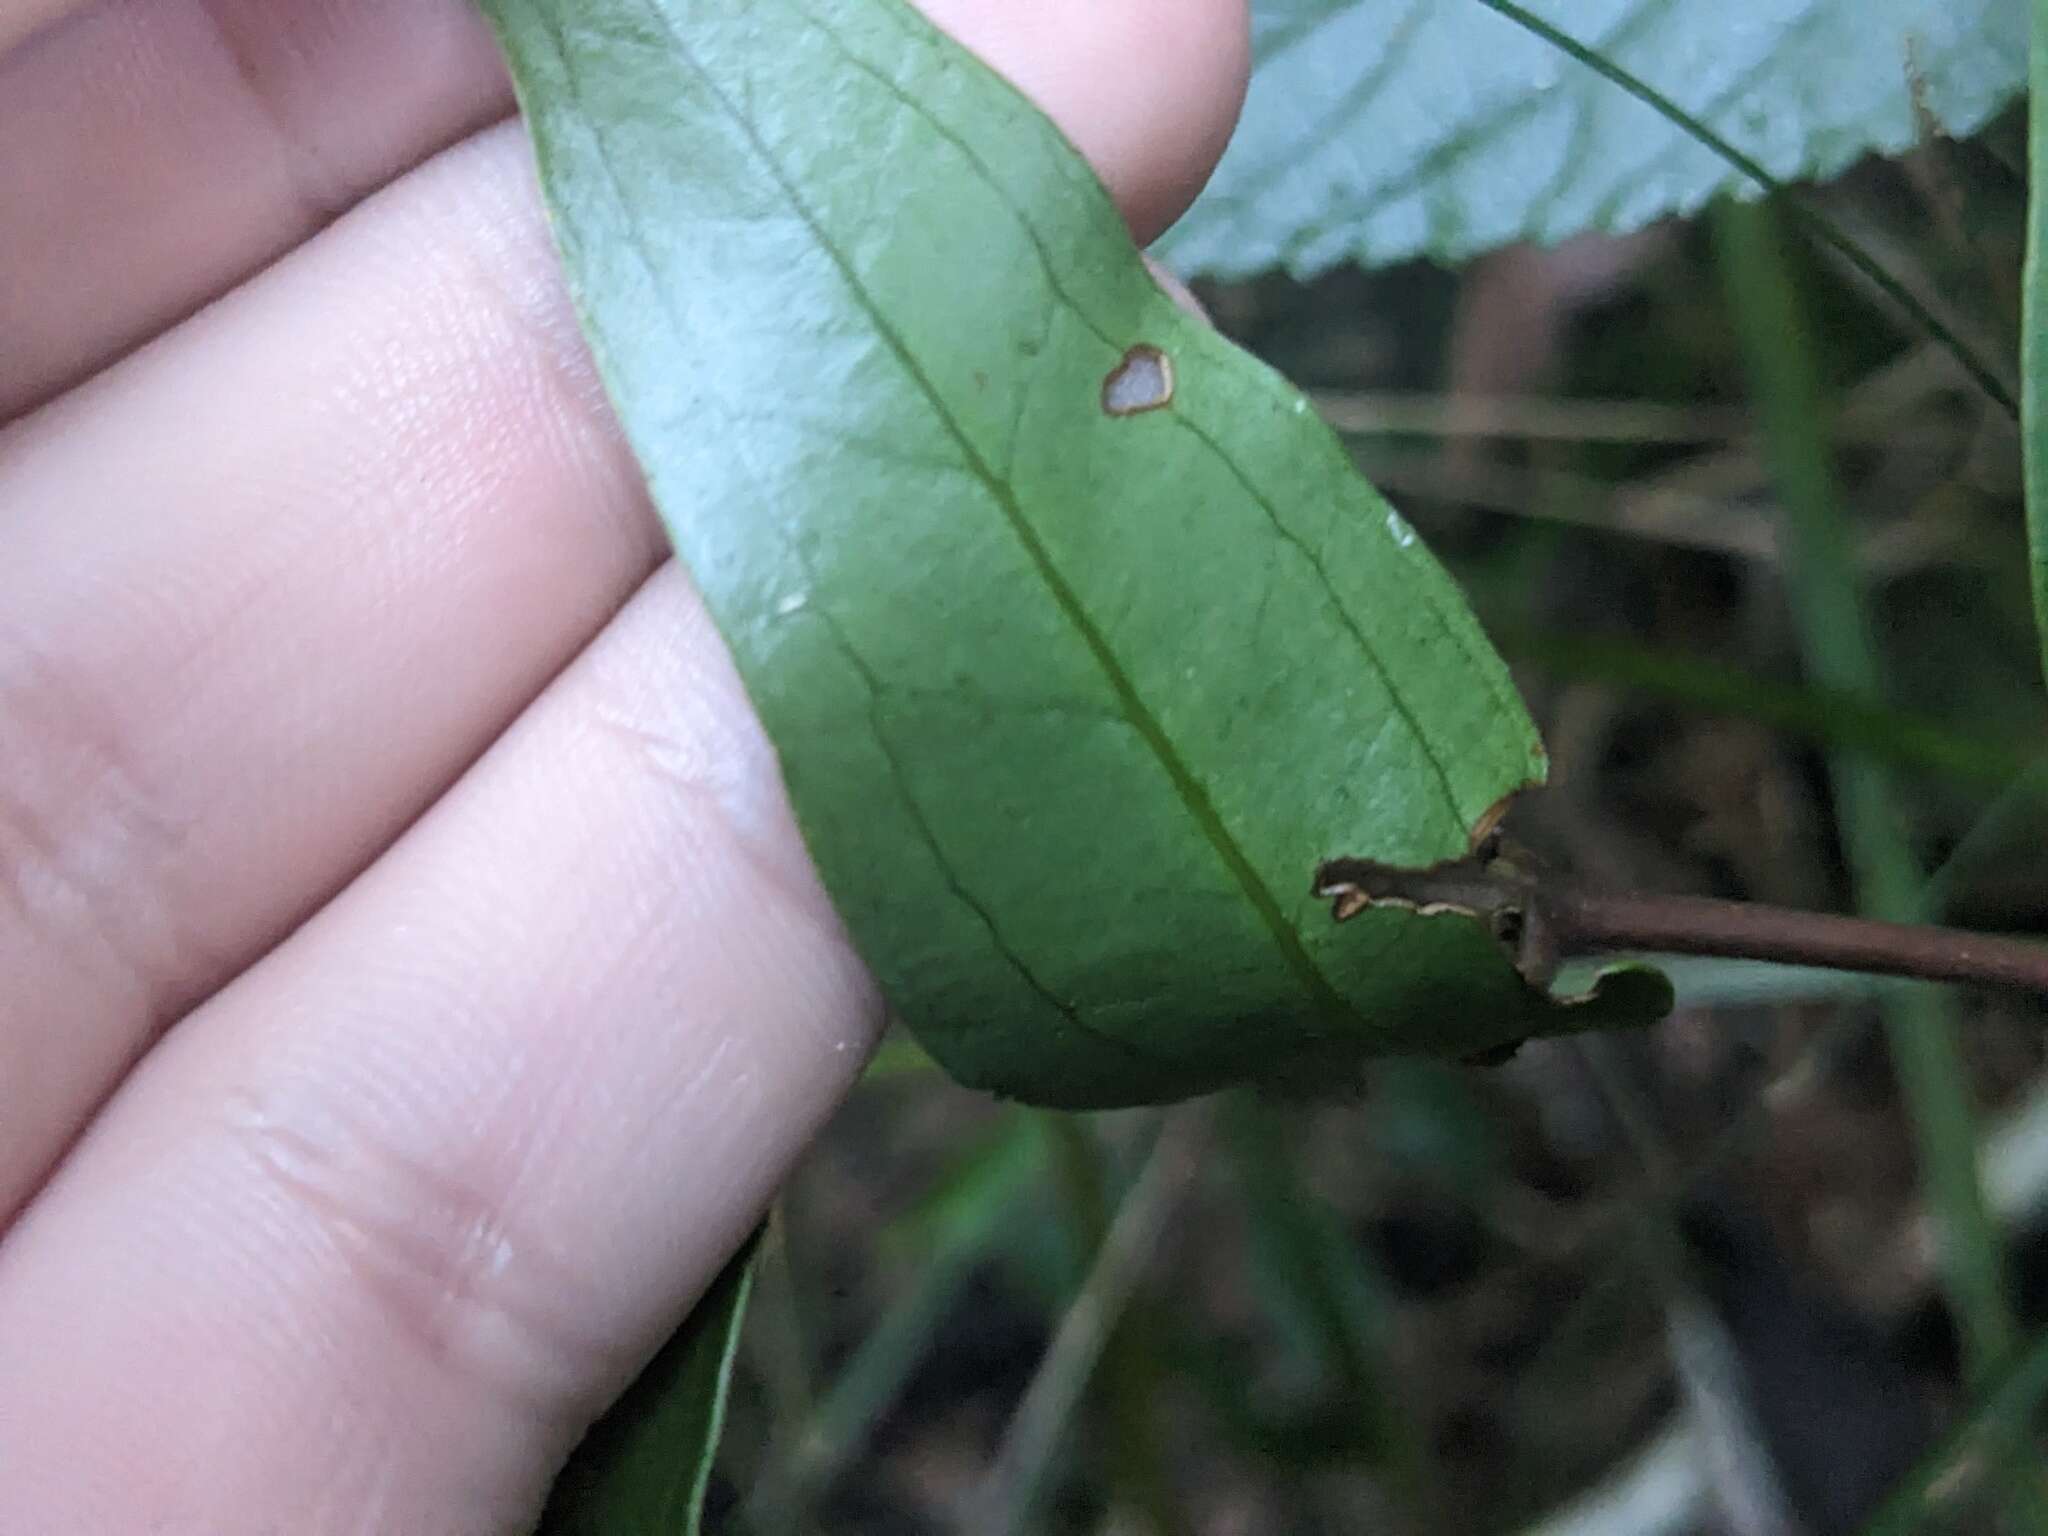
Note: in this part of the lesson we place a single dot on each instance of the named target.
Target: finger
(154, 153)
(262, 602)
(368, 1242)
(20, 18)
(362, 552)
(1147, 90)
(159, 152)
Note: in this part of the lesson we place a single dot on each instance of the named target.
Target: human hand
(412, 985)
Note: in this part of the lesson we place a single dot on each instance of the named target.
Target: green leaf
(644, 1467)
(1377, 130)
(1985, 1442)
(1082, 642)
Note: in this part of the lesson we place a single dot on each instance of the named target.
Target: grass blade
(1012, 1486)
(1836, 636)
(1994, 1430)
(952, 1232)
(2034, 326)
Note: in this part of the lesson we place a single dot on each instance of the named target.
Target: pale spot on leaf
(1142, 381)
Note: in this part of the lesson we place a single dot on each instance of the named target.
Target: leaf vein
(1050, 270)
(1372, 655)
(957, 888)
(1193, 794)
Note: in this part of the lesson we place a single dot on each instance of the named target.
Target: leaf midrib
(1193, 796)
(1050, 271)
(1067, 1011)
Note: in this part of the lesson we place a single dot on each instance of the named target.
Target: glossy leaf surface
(1081, 641)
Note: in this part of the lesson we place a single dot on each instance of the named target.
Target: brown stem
(1583, 921)
(1544, 920)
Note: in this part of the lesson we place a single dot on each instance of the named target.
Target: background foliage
(1375, 132)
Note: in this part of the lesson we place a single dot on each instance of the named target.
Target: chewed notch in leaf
(1496, 889)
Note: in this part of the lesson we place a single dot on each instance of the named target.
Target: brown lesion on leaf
(1487, 886)
(1493, 885)
(1536, 920)
(1142, 380)
(1347, 902)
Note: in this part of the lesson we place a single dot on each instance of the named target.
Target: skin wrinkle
(573, 407)
(456, 1275)
(708, 833)
(555, 398)
(712, 756)
(566, 1106)
(47, 873)
(265, 63)
(209, 132)
(658, 751)
(99, 881)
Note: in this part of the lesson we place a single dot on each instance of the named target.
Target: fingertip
(1147, 90)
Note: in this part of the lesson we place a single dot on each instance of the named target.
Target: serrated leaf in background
(1378, 130)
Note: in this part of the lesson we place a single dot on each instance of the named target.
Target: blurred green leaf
(1827, 717)
(643, 1468)
(976, 1204)
(1423, 1116)
(1377, 130)
(1988, 1443)
(899, 1057)
(1311, 1278)
(1081, 640)
(978, 1183)
(1838, 638)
